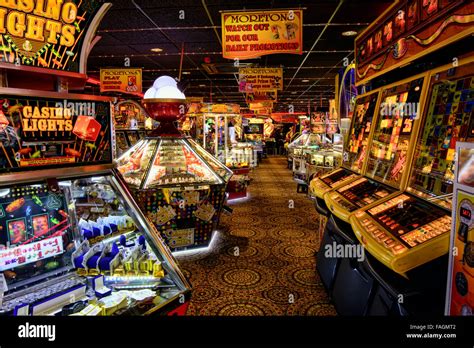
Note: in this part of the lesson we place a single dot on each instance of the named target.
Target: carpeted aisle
(262, 261)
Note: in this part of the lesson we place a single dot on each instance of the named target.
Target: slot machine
(412, 227)
(389, 150)
(354, 154)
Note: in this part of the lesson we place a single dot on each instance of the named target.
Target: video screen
(35, 230)
(392, 135)
(357, 141)
(449, 119)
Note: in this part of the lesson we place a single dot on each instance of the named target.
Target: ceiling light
(156, 49)
(305, 80)
(186, 72)
(293, 92)
(349, 33)
(202, 85)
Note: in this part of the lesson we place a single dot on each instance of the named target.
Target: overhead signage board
(125, 80)
(252, 34)
(48, 34)
(257, 96)
(260, 79)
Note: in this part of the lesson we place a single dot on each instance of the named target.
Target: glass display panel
(215, 164)
(336, 176)
(58, 240)
(449, 118)
(393, 131)
(355, 150)
(176, 163)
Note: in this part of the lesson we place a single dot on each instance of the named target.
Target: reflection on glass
(448, 120)
(356, 145)
(392, 134)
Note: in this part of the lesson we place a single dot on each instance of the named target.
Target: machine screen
(388, 152)
(356, 145)
(449, 119)
(35, 231)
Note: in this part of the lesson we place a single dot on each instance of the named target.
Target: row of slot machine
(393, 192)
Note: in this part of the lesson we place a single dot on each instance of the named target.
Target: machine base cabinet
(364, 286)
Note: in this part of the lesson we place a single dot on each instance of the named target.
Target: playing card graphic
(191, 197)
(164, 214)
(205, 212)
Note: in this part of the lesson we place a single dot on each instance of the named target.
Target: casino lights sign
(46, 33)
(43, 132)
(253, 34)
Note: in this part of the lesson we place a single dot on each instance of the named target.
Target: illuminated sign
(45, 33)
(261, 96)
(127, 80)
(253, 34)
(28, 253)
(260, 79)
(45, 132)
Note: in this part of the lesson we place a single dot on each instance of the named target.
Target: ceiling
(132, 28)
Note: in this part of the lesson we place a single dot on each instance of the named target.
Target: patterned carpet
(262, 261)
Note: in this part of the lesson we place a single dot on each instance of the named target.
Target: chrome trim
(60, 173)
(20, 92)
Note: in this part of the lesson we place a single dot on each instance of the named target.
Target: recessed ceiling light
(202, 85)
(186, 72)
(349, 33)
(305, 80)
(293, 92)
(156, 49)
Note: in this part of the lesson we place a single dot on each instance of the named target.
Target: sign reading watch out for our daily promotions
(121, 80)
(44, 33)
(252, 34)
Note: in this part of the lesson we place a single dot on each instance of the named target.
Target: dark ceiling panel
(127, 32)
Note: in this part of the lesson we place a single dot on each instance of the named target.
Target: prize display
(177, 184)
(241, 155)
(80, 249)
(355, 148)
(176, 188)
(412, 228)
(388, 152)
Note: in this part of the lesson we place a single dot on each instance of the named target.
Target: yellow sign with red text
(260, 79)
(121, 80)
(253, 34)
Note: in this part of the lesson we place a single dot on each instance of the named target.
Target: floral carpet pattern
(262, 260)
